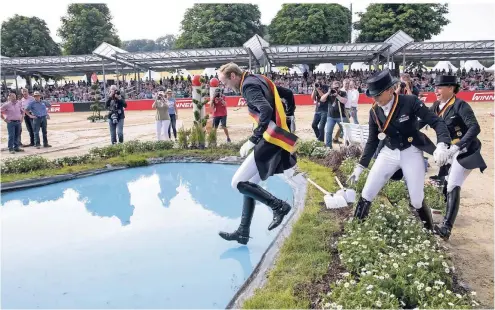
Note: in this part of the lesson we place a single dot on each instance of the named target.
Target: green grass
(305, 255)
(128, 160)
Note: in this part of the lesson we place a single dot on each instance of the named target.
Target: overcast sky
(469, 20)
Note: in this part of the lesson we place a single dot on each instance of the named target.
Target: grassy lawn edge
(305, 256)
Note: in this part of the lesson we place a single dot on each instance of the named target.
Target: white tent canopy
(473, 64)
(441, 65)
(210, 71)
(359, 66)
(182, 72)
(295, 69)
(326, 68)
(491, 69)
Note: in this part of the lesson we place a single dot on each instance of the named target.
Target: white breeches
(457, 174)
(246, 172)
(162, 130)
(388, 162)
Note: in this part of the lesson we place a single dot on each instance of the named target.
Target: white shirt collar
(388, 106)
(442, 104)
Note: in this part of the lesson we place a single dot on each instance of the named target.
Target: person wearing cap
(12, 114)
(37, 111)
(219, 107)
(272, 143)
(394, 119)
(465, 151)
(162, 118)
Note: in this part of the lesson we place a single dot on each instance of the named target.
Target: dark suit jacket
(403, 130)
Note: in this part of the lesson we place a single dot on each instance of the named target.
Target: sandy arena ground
(471, 244)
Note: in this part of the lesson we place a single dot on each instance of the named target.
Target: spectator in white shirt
(353, 98)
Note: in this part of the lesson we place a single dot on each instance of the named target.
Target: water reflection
(138, 238)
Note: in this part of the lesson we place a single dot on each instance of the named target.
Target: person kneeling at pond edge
(394, 119)
(273, 144)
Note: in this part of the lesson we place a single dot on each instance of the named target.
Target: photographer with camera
(162, 117)
(321, 110)
(115, 105)
(219, 106)
(336, 111)
(406, 86)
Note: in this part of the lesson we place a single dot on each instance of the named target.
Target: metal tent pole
(104, 80)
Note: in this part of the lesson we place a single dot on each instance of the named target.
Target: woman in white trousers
(162, 117)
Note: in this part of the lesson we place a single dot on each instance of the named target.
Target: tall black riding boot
(424, 214)
(279, 207)
(453, 200)
(362, 209)
(241, 235)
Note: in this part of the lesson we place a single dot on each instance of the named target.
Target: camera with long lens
(333, 92)
(402, 85)
(114, 117)
(317, 85)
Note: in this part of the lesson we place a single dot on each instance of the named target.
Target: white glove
(355, 175)
(441, 154)
(452, 151)
(246, 147)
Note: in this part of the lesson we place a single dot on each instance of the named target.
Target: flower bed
(391, 260)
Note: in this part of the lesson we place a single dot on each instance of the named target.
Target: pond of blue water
(135, 238)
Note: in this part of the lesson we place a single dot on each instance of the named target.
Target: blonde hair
(230, 68)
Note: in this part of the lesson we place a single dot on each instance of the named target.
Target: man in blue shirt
(37, 111)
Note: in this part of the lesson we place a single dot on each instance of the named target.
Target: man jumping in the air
(273, 145)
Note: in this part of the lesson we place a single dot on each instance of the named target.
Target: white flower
(396, 265)
(447, 270)
(451, 304)
(387, 276)
(369, 287)
(378, 304)
(368, 273)
(445, 264)
(346, 274)
(354, 242)
(439, 282)
(327, 305)
(473, 293)
(448, 292)
(384, 266)
(428, 288)
(458, 295)
(381, 277)
(368, 292)
(339, 307)
(410, 251)
(403, 254)
(440, 295)
(419, 287)
(410, 275)
(350, 260)
(353, 282)
(346, 285)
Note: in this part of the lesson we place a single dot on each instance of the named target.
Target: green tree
(85, 27)
(142, 45)
(167, 42)
(27, 37)
(311, 24)
(219, 25)
(420, 21)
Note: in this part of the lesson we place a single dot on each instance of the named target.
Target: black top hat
(379, 83)
(446, 80)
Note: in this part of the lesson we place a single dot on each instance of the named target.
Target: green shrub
(395, 191)
(393, 263)
(212, 138)
(182, 137)
(306, 148)
(25, 164)
(434, 198)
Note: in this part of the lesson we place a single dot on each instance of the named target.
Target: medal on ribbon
(382, 135)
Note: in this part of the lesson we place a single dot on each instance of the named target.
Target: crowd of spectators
(70, 91)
